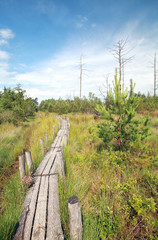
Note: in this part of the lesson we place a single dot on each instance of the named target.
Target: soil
(7, 173)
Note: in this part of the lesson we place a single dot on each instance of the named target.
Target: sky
(41, 42)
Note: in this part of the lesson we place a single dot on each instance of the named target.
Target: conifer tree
(120, 125)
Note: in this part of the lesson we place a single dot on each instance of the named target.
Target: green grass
(11, 202)
(117, 190)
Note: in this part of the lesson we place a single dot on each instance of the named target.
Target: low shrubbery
(15, 106)
(117, 189)
(60, 106)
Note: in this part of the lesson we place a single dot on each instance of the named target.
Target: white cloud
(141, 40)
(81, 20)
(59, 77)
(6, 33)
(3, 42)
(4, 55)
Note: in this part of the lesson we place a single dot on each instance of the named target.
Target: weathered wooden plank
(42, 145)
(22, 165)
(56, 139)
(54, 169)
(25, 210)
(39, 225)
(31, 210)
(54, 230)
(60, 163)
(64, 138)
(29, 161)
(40, 216)
(43, 164)
(50, 163)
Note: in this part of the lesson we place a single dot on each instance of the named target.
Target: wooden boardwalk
(40, 217)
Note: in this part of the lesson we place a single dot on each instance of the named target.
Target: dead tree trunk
(42, 146)
(155, 75)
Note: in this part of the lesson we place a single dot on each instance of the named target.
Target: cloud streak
(6, 33)
(4, 55)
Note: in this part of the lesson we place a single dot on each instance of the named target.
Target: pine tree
(120, 125)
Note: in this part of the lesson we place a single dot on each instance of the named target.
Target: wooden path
(40, 217)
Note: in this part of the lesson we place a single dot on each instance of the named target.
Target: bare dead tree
(105, 87)
(153, 65)
(155, 73)
(82, 72)
(123, 76)
(120, 52)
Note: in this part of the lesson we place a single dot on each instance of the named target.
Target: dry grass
(15, 140)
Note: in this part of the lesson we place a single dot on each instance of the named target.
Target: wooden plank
(54, 230)
(64, 138)
(32, 223)
(39, 225)
(43, 164)
(50, 163)
(54, 143)
(56, 139)
(31, 211)
(29, 161)
(22, 165)
(25, 210)
(58, 144)
(60, 164)
(54, 169)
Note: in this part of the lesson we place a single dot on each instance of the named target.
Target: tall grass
(14, 140)
(117, 190)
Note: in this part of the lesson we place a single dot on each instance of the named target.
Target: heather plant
(120, 125)
(27, 181)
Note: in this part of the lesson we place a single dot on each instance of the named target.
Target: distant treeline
(15, 106)
(60, 106)
(147, 103)
(88, 105)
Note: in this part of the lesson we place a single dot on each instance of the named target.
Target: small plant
(120, 125)
(27, 181)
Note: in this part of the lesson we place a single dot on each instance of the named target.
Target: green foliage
(119, 124)
(15, 106)
(116, 189)
(107, 224)
(61, 106)
(142, 205)
(147, 103)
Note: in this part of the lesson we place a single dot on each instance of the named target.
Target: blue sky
(41, 42)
